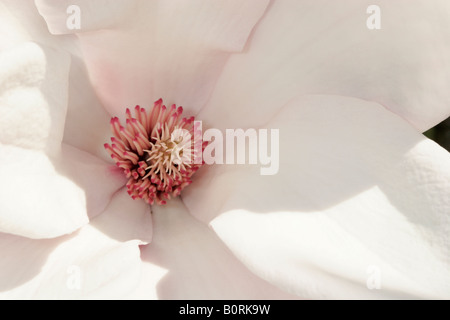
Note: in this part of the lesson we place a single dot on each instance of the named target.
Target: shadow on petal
(22, 259)
(198, 265)
(98, 179)
(125, 219)
(356, 186)
(331, 148)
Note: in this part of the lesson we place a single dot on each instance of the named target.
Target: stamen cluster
(158, 151)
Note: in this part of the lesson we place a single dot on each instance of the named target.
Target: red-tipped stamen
(157, 161)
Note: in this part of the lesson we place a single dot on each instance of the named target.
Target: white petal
(325, 47)
(100, 261)
(358, 190)
(87, 122)
(169, 49)
(35, 200)
(33, 97)
(33, 102)
(20, 22)
(45, 197)
(186, 260)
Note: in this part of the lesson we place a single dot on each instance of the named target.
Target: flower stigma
(157, 150)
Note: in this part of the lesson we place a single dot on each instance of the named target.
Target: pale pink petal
(61, 18)
(100, 261)
(126, 219)
(186, 260)
(358, 189)
(87, 123)
(169, 49)
(325, 47)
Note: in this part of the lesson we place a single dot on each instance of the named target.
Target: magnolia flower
(358, 209)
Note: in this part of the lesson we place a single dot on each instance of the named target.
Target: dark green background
(441, 134)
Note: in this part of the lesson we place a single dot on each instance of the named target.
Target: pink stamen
(157, 164)
(126, 136)
(119, 144)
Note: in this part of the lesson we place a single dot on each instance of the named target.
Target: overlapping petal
(191, 262)
(357, 187)
(99, 261)
(169, 49)
(86, 124)
(46, 191)
(358, 190)
(325, 47)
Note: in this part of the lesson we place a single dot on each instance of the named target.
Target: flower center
(155, 151)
